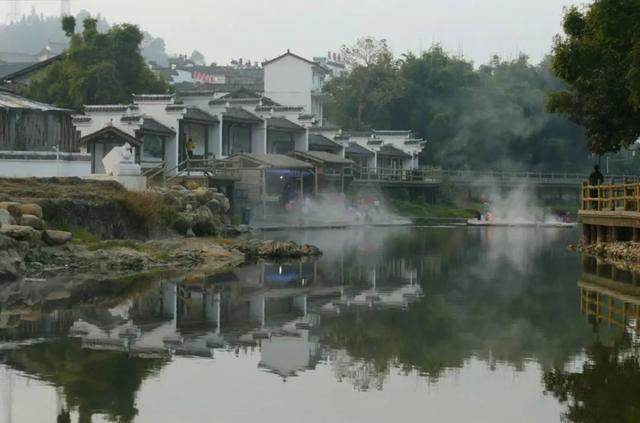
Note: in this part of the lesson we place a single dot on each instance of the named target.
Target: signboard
(208, 78)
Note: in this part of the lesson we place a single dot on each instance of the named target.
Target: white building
(38, 140)
(293, 80)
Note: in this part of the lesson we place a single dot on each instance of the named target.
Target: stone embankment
(113, 228)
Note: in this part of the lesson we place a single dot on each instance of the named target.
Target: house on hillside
(22, 75)
(38, 140)
(293, 80)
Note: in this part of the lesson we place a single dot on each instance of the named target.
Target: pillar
(586, 234)
(600, 233)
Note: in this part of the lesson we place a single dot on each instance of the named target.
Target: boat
(520, 224)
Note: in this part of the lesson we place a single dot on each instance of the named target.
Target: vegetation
(599, 59)
(421, 209)
(492, 117)
(99, 68)
(33, 32)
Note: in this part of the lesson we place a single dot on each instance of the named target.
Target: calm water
(395, 324)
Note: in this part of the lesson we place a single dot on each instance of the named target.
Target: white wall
(259, 138)
(10, 168)
(289, 81)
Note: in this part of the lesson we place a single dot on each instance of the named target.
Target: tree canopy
(99, 68)
(599, 59)
(490, 117)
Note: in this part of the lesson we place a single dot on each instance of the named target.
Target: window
(152, 148)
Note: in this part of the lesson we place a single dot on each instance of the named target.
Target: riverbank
(68, 226)
(623, 255)
(423, 210)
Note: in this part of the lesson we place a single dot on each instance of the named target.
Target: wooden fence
(624, 196)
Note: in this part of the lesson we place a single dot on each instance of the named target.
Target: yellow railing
(611, 197)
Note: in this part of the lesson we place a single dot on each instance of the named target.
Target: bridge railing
(623, 196)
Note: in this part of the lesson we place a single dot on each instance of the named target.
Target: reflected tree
(104, 382)
(606, 387)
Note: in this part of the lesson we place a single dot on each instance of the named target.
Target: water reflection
(380, 311)
(604, 386)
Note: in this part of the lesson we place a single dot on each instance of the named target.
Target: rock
(11, 259)
(224, 201)
(178, 188)
(33, 221)
(5, 218)
(32, 209)
(12, 207)
(56, 237)
(277, 249)
(203, 222)
(21, 233)
(203, 195)
(215, 206)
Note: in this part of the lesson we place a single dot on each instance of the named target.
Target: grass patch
(419, 209)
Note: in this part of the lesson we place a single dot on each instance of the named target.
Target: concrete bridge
(434, 177)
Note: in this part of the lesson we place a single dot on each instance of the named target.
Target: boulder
(5, 218)
(33, 221)
(11, 259)
(215, 206)
(32, 209)
(204, 223)
(56, 237)
(224, 201)
(11, 207)
(277, 249)
(203, 195)
(21, 233)
(179, 188)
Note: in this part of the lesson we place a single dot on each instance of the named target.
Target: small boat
(520, 224)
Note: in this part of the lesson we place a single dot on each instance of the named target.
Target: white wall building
(293, 80)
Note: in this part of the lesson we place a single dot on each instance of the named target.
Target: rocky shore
(112, 232)
(624, 255)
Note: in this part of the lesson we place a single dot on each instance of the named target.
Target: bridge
(431, 177)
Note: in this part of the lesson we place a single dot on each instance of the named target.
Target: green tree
(99, 68)
(599, 58)
(365, 93)
(69, 25)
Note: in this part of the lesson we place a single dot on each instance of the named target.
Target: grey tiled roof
(323, 157)
(283, 124)
(275, 160)
(199, 115)
(356, 149)
(10, 100)
(240, 114)
(153, 126)
(320, 142)
(391, 151)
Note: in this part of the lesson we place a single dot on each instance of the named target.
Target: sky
(262, 29)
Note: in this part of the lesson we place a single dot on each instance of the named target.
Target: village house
(38, 140)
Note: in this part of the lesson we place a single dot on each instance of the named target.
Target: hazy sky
(260, 29)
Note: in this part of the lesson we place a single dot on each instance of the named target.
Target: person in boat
(595, 179)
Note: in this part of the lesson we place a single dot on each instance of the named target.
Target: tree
(489, 117)
(69, 25)
(369, 88)
(99, 68)
(198, 58)
(599, 58)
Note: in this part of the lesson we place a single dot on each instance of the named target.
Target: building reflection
(273, 308)
(610, 294)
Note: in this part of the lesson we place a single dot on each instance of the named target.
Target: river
(411, 324)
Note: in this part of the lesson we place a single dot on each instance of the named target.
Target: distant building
(38, 139)
(23, 74)
(333, 62)
(293, 80)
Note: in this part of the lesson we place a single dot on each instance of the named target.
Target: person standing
(596, 178)
(191, 147)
